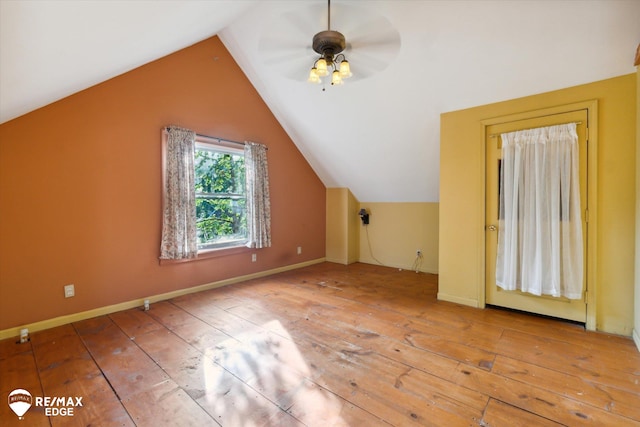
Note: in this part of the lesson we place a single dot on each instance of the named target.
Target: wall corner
(342, 235)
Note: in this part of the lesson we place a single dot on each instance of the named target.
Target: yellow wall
(461, 258)
(342, 226)
(396, 231)
(353, 221)
(636, 323)
(336, 224)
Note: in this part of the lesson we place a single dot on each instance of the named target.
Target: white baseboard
(427, 270)
(100, 311)
(458, 300)
(636, 338)
(339, 261)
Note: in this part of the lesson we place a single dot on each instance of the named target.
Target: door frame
(592, 195)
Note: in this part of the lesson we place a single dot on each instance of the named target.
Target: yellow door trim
(592, 195)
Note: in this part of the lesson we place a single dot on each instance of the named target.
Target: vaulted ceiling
(378, 134)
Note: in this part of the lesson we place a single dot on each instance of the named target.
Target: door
(547, 305)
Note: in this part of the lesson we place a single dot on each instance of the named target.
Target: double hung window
(220, 195)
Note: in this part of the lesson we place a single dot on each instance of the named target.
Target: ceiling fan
(329, 44)
(366, 37)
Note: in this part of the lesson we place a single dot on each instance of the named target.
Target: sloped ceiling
(378, 134)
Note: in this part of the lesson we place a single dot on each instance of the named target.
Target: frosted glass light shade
(321, 66)
(345, 69)
(336, 79)
(313, 76)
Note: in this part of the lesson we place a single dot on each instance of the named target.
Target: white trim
(100, 311)
(458, 300)
(421, 270)
(636, 338)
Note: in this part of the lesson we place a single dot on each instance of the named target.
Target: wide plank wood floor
(326, 345)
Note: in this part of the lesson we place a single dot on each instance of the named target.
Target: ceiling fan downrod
(329, 44)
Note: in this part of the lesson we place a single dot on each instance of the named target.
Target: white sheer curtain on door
(179, 236)
(258, 200)
(540, 247)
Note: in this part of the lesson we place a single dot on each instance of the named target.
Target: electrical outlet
(24, 335)
(69, 291)
(419, 252)
(254, 257)
(299, 250)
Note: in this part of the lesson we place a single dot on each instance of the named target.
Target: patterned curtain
(179, 238)
(258, 202)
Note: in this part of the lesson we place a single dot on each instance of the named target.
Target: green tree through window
(220, 196)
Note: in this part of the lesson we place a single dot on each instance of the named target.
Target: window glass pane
(220, 197)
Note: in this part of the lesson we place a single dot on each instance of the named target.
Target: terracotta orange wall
(80, 187)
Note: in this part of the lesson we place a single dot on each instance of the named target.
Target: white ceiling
(379, 133)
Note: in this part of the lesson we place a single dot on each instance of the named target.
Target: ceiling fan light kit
(329, 44)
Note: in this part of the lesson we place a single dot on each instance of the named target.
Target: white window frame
(219, 146)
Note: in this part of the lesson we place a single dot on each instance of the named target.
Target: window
(221, 213)
(215, 194)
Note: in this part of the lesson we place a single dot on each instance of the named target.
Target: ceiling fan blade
(306, 21)
(364, 66)
(274, 48)
(291, 63)
(369, 25)
(296, 26)
(368, 58)
(376, 36)
(389, 41)
(286, 40)
(383, 52)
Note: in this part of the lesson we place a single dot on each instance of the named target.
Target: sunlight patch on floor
(275, 371)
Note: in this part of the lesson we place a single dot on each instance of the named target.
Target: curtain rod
(214, 137)
(493, 135)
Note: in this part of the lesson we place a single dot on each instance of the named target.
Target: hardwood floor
(327, 345)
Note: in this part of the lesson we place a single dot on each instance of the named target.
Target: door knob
(492, 228)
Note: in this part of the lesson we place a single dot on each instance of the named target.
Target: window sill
(208, 254)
